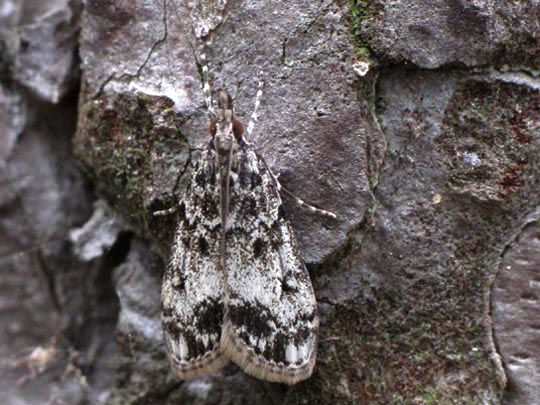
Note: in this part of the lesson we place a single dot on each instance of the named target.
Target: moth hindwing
(236, 287)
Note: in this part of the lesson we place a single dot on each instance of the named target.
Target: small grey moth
(236, 288)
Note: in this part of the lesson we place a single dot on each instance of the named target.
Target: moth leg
(309, 207)
(296, 199)
(162, 213)
(203, 28)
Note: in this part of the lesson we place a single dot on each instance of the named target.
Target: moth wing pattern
(271, 321)
(193, 288)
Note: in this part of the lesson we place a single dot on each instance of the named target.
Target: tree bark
(422, 118)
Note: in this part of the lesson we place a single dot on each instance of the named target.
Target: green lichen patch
(360, 11)
(489, 133)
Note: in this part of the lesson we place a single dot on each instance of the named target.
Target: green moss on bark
(120, 143)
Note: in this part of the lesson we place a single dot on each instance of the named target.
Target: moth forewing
(193, 289)
(271, 320)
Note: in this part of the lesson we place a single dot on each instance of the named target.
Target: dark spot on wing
(243, 176)
(250, 207)
(172, 328)
(278, 352)
(196, 347)
(258, 247)
(256, 180)
(203, 245)
(209, 316)
(254, 317)
(268, 351)
(200, 179)
(257, 349)
(166, 311)
(181, 283)
(209, 319)
(209, 207)
(301, 335)
(287, 287)
(182, 211)
(276, 239)
(204, 178)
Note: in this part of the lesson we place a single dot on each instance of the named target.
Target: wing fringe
(261, 368)
(198, 367)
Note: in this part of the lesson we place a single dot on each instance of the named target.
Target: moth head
(225, 126)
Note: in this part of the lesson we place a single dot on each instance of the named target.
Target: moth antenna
(207, 90)
(307, 206)
(206, 16)
(297, 200)
(255, 114)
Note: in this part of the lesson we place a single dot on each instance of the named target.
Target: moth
(236, 288)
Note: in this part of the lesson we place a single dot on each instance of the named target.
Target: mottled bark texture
(428, 283)
(58, 307)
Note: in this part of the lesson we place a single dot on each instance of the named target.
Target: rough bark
(427, 283)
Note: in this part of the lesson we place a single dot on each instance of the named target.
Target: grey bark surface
(427, 283)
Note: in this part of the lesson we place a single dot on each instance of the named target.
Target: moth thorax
(224, 128)
(224, 142)
(224, 136)
(224, 101)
